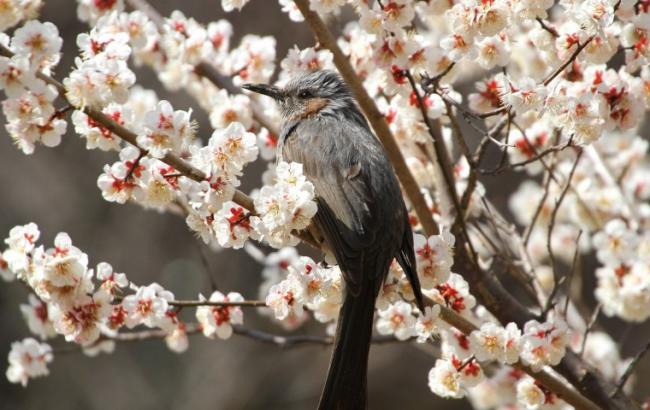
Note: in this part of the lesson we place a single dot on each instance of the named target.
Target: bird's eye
(304, 94)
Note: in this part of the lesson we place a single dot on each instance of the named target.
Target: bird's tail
(345, 388)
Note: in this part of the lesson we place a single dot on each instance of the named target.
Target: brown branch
(375, 117)
(630, 369)
(196, 303)
(569, 61)
(551, 225)
(547, 27)
(590, 325)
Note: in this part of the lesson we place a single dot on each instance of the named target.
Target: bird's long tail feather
(345, 388)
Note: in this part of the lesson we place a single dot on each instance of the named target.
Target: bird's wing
(346, 203)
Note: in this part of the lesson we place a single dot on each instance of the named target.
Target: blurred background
(56, 188)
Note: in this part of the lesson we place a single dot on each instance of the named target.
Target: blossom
(492, 342)
(529, 394)
(28, 359)
(429, 323)
(434, 257)
(16, 76)
(253, 60)
(286, 206)
(543, 343)
(98, 81)
(218, 320)
(615, 244)
(165, 130)
(228, 109)
(40, 42)
(61, 273)
(232, 226)
(148, 306)
(110, 280)
(21, 242)
(397, 319)
(97, 135)
(177, 340)
(445, 380)
(455, 294)
(81, 321)
(91, 10)
(36, 314)
(230, 5)
(525, 95)
(31, 118)
(124, 180)
(286, 298)
(230, 149)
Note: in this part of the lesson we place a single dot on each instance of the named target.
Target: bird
(361, 213)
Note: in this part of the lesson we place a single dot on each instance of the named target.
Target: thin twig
(551, 225)
(547, 27)
(590, 325)
(568, 62)
(572, 272)
(630, 369)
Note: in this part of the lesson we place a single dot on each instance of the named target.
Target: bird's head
(317, 93)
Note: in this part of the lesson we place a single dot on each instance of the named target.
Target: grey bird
(361, 213)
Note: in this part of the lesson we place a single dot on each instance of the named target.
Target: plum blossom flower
(253, 60)
(81, 321)
(148, 306)
(455, 294)
(91, 10)
(165, 130)
(177, 340)
(218, 320)
(232, 226)
(28, 359)
(227, 109)
(615, 244)
(21, 242)
(286, 206)
(97, 135)
(286, 298)
(229, 150)
(230, 5)
(16, 76)
(451, 378)
(61, 273)
(525, 95)
(544, 343)
(40, 42)
(32, 118)
(37, 316)
(493, 342)
(429, 323)
(110, 280)
(397, 319)
(124, 180)
(434, 257)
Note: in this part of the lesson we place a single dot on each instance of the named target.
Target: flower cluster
(284, 207)
(218, 320)
(307, 285)
(29, 109)
(87, 306)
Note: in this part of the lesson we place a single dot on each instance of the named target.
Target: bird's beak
(271, 91)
